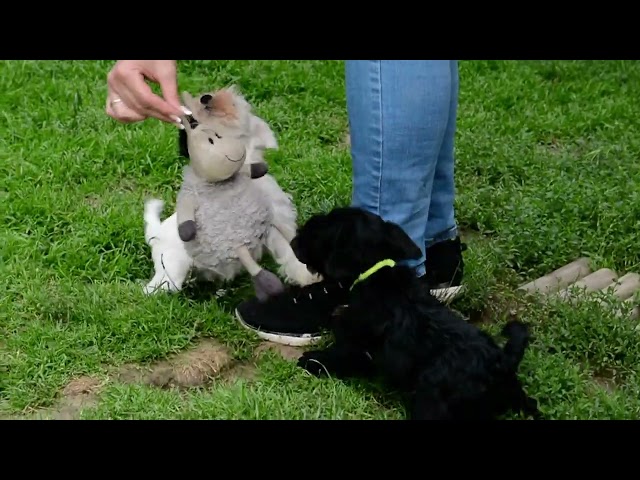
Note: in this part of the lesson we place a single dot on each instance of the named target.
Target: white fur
(170, 259)
(171, 262)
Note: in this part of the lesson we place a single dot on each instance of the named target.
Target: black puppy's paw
(312, 363)
(187, 230)
(258, 170)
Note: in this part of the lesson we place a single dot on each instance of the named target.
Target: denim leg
(398, 115)
(441, 224)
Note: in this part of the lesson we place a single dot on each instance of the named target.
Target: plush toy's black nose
(204, 99)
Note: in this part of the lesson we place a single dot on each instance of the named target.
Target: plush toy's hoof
(259, 170)
(187, 230)
(266, 285)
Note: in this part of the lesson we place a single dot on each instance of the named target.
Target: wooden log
(635, 313)
(626, 286)
(560, 278)
(594, 281)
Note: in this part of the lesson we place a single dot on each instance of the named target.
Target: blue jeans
(402, 121)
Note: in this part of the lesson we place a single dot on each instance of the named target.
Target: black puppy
(392, 326)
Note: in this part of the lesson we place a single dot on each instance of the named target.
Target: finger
(120, 110)
(119, 84)
(139, 96)
(169, 87)
(123, 114)
(146, 112)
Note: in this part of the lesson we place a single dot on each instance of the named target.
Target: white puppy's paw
(153, 206)
(298, 273)
(164, 285)
(312, 278)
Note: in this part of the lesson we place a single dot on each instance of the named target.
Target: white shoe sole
(288, 339)
(449, 294)
(445, 295)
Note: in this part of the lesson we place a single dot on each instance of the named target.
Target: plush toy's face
(217, 133)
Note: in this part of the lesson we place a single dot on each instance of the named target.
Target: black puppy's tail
(518, 338)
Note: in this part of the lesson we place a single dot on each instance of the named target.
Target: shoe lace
(312, 291)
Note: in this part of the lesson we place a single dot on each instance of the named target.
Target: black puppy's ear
(340, 261)
(399, 244)
(182, 144)
(339, 265)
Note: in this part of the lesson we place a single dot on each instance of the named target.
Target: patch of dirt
(244, 371)
(93, 200)
(495, 310)
(192, 368)
(606, 378)
(196, 367)
(127, 185)
(79, 394)
(208, 360)
(82, 386)
(285, 351)
(471, 233)
(478, 315)
(606, 383)
(551, 145)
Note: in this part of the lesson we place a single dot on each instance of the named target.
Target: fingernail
(186, 111)
(178, 122)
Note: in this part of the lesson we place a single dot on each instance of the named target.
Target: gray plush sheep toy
(223, 218)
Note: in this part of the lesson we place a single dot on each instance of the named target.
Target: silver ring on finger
(114, 101)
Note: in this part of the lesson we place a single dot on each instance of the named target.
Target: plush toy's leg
(290, 267)
(265, 283)
(286, 233)
(186, 213)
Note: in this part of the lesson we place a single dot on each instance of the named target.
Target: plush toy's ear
(262, 135)
(234, 90)
(188, 100)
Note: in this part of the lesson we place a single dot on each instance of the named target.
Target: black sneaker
(299, 315)
(445, 269)
(296, 317)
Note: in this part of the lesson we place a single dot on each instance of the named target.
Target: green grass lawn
(548, 171)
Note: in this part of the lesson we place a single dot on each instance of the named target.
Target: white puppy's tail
(152, 210)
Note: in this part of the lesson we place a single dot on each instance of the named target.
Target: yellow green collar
(372, 270)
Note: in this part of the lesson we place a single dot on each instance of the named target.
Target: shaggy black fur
(183, 148)
(393, 327)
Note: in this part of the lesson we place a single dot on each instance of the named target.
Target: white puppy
(171, 262)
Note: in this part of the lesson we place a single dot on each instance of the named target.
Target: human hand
(130, 98)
